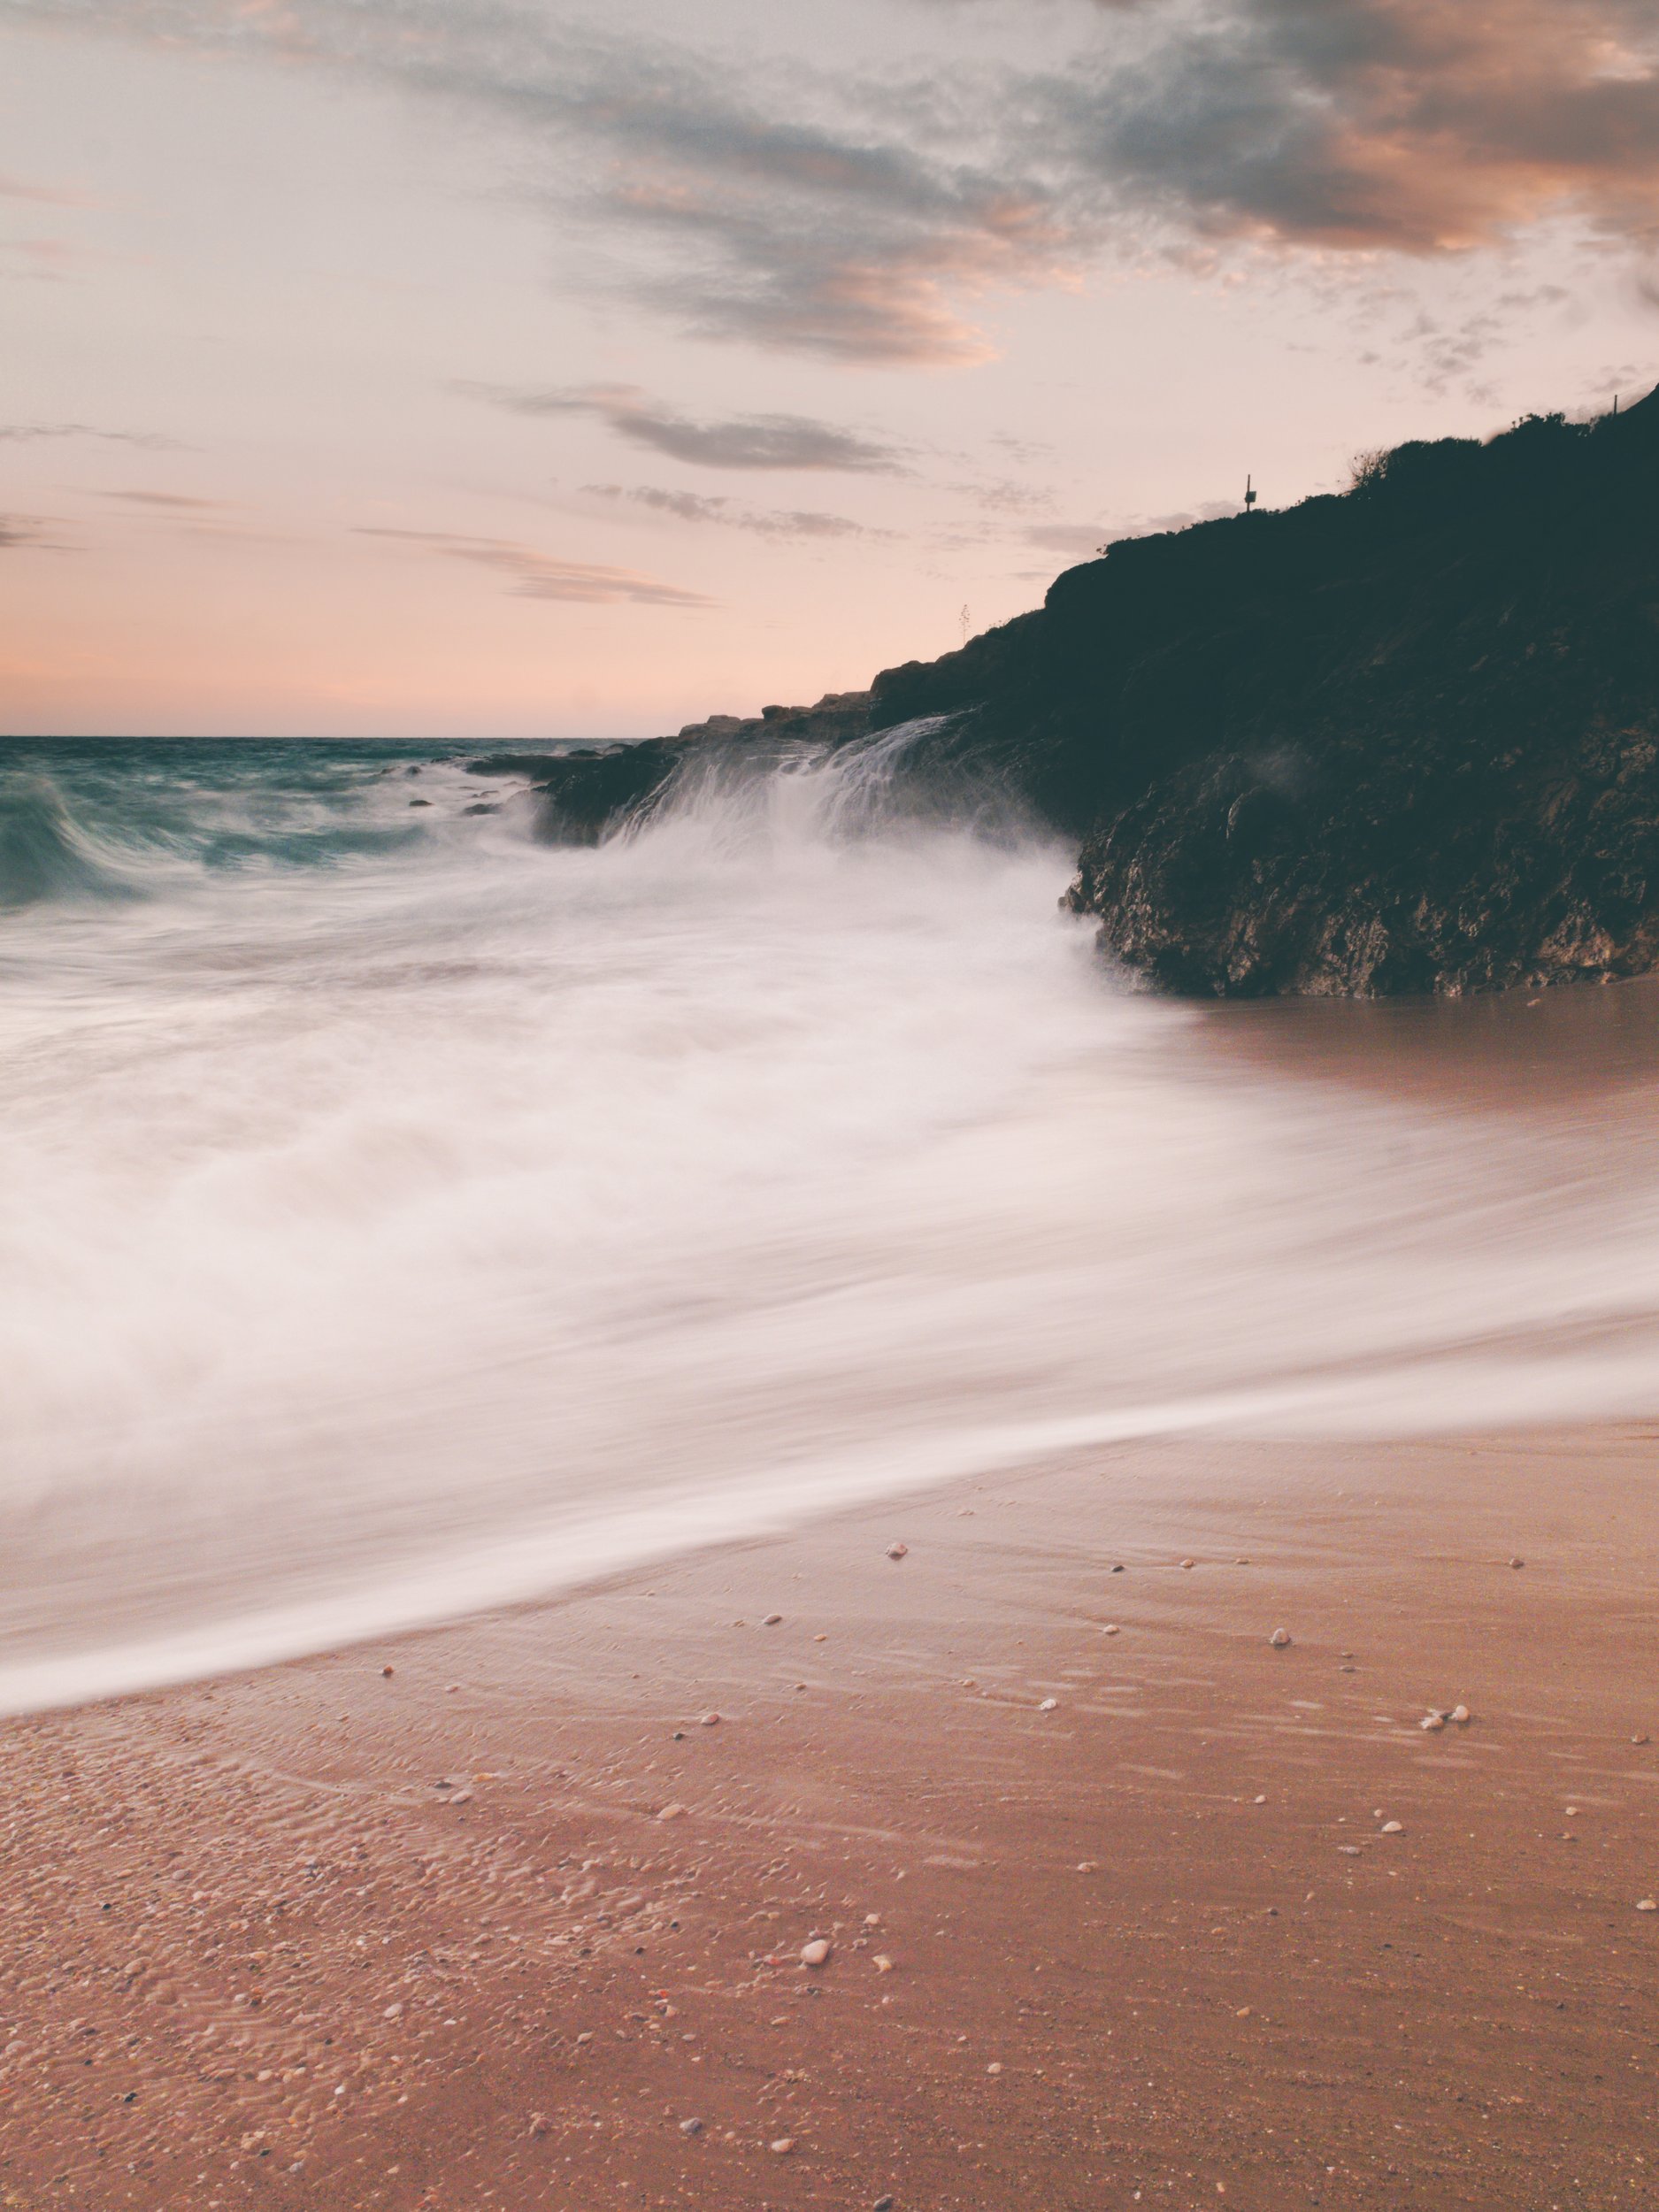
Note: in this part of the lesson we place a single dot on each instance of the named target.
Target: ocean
(402, 1215)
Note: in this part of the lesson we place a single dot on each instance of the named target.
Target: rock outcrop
(1403, 739)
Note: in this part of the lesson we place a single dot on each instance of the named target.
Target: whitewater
(401, 1214)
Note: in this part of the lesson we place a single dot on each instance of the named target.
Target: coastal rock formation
(1401, 739)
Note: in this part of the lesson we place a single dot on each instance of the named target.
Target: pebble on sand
(772, 1620)
(781, 2146)
(1049, 1705)
(1518, 1563)
(1433, 1722)
(672, 1812)
(884, 2204)
(1648, 1904)
(540, 2125)
(816, 1953)
(1189, 1563)
(898, 1551)
(882, 1963)
(1462, 1715)
(691, 2127)
(1392, 1828)
(1279, 1638)
(710, 1720)
(386, 1670)
(1110, 1629)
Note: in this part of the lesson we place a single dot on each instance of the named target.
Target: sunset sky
(427, 367)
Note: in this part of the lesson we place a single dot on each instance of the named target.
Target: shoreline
(331, 1937)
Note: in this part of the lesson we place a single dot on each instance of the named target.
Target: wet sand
(331, 1937)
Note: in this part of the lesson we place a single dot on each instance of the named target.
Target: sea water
(402, 1214)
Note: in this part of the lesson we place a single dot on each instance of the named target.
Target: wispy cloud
(177, 503)
(739, 442)
(532, 575)
(29, 533)
(703, 507)
(24, 433)
(42, 194)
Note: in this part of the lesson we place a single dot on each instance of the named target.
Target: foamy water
(400, 1216)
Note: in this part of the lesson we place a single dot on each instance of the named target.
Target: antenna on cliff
(1250, 493)
(967, 619)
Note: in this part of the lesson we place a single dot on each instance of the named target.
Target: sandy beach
(1117, 1909)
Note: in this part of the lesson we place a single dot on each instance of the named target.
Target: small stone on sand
(995, 2067)
(540, 2125)
(672, 1812)
(1279, 1638)
(691, 2127)
(898, 1551)
(1648, 1904)
(1110, 1629)
(883, 2204)
(1462, 1715)
(1048, 1705)
(883, 1964)
(781, 2147)
(1392, 1828)
(1189, 1563)
(386, 1670)
(816, 1953)
(1518, 1563)
(1433, 1722)
(711, 1720)
(1259, 1801)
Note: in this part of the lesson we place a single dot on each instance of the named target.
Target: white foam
(385, 1242)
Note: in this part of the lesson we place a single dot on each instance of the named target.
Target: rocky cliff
(1404, 738)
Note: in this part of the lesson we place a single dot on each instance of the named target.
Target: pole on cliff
(1249, 495)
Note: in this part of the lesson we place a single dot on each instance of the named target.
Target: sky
(514, 368)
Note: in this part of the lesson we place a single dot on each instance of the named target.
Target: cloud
(800, 208)
(42, 194)
(701, 507)
(26, 432)
(829, 213)
(173, 501)
(29, 533)
(741, 441)
(542, 576)
(1417, 126)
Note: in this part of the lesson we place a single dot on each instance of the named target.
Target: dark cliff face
(1404, 739)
